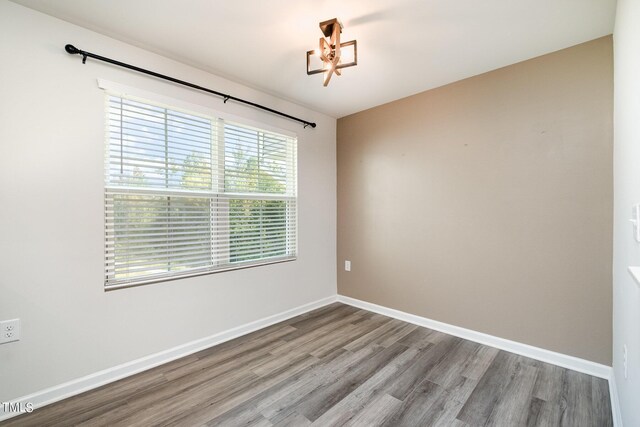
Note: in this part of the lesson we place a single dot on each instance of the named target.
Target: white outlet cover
(347, 265)
(9, 331)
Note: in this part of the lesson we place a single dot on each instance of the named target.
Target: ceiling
(404, 46)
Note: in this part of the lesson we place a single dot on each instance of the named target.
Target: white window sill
(635, 273)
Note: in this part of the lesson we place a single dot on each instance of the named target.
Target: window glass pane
(258, 229)
(151, 235)
(153, 147)
(255, 161)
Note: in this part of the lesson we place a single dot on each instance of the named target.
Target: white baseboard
(98, 379)
(559, 359)
(615, 402)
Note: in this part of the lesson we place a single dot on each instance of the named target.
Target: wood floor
(340, 365)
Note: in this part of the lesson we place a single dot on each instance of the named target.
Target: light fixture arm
(333, 58)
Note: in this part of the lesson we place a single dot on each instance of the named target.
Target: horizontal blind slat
(183, 198)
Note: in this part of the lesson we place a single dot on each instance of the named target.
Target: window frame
(217, 195)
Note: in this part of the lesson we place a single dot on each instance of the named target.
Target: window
(187, 194)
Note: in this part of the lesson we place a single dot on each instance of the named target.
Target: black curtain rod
(75, 51)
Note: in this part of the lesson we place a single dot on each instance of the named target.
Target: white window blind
(187, 194)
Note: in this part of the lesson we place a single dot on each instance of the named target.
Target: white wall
(51, 213)
(626, 293)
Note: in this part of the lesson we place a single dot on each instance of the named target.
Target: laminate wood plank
(247, 341)
(241, 395)
(218, 380)
(436, 336)
(370, 337)
(301, 342)
(600, 402)
(358, 399)
(294, 420)
(375, 413)
(422, 338)
(258, 422)
(103, 420)
(278, 402)
(318, 339)
(274, 362)
(275, 402)
(450, 368)
(548, 404)
(480, 362)
(252, 348)
(338, 341)
(329, 372)
(211, 366)
(326, 396)
(535, 412)
(411, 378)
(245, 419)
(443, 411)
(389, 333)
(461, 388)
(489, 390)
(458, 423)
(577, 393)
(285, 390)
(304, 335)
(212, 400)
(392, 336)
(316, 321)
(156, 407)
(416, 405)
(549, 382)
(369, 315)
(513, 406)
(340, 365)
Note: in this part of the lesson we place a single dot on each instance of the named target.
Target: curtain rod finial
(71, 49)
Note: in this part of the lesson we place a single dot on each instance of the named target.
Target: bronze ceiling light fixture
(331, 56)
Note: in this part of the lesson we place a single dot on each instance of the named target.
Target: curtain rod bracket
(72, 50)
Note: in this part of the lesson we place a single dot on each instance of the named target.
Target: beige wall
(487, 203)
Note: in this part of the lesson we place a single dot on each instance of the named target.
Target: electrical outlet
(347, 265)
(625, 358)
(9, 330)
